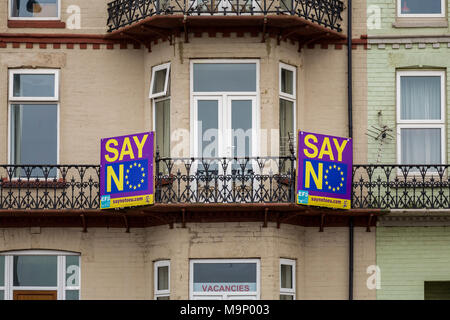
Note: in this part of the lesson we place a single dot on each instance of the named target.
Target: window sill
(17, 183)
(36, 24)
(421, 23)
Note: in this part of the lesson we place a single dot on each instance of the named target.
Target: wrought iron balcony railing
(224, 180)
(401, 186)
(326, 13)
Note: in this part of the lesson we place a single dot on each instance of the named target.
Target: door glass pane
(34, 132)
(160, 81)
(72, 295)
(420, 98)
(421, 6)
(286, 276)
(286, 125)
(163, 278)
(162, 127)
(72, 271)
(208, 126)
(225, 277)
(421, 146)
(2, 271)
(287, 81)
(34, 85)
(35, 271)
(230, 77)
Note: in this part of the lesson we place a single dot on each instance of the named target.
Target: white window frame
(166, 83)
(31, 100)
(10, 17)
(424, 15)
(3, 288)
(288, 291)
(290, 97)
(224, 295)
(161, 293)
(61, 287)
(223, 96)
(421, 124)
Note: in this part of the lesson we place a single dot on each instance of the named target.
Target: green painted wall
(382, 65)
(409, 256)
(389, 16)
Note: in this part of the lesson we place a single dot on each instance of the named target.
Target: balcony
(304, 21)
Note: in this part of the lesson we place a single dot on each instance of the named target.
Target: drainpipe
(350, 134)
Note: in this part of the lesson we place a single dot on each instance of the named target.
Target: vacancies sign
(324, 170)
(126, 171)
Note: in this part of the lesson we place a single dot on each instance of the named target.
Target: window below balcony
(421, 117)
(34, 9)
(162, 280)
(225, 105)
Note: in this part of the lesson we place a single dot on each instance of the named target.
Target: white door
(225, 128)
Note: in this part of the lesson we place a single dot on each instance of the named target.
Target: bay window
(162, 280)
(287, 279)
(39, 274)
(160, 94)
(287, 87)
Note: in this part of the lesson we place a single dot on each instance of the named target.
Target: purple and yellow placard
(324, 170)
(126, 171)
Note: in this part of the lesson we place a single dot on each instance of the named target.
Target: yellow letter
(310, 145)
(111, 174)
(309, 171)
(111, 150)
(339, 148)
(126, 149)
(140, 145)
(326, 149)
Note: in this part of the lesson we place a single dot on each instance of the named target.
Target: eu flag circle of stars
(135, 176)
(334, 179)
